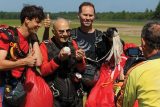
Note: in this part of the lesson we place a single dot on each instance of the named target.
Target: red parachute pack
(38, 92)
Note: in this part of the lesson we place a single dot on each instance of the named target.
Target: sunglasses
(62, 31)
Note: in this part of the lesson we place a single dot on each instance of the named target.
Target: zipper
(68, 87)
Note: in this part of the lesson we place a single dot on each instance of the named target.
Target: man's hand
(31, 59)
(80, 54)
(63, 55)
(47, 21)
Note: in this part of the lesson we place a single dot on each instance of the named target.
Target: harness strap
(52, 49)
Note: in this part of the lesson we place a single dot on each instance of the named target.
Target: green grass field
(129, 31)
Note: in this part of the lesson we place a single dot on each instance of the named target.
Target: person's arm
(37, 53)
(35, 47)
(9, 64)
(130, 90)
(80, 57)
(81, 64)
(47, 23)
(45, 34)
(47, 66)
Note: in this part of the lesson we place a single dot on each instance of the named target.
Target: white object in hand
(67, 50)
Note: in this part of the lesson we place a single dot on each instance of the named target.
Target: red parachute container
(102, 94)
(38, 92)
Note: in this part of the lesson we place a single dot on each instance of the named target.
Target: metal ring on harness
(55, 91)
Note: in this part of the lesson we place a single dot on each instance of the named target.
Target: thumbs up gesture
(47, 21)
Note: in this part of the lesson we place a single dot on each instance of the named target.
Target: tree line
(103, 16)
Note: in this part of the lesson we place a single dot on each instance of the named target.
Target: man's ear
(26, 20)
(53, 31)
(94, 17)
(143, 42)
(78, 15)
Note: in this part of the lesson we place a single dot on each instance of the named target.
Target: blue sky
(72, 5)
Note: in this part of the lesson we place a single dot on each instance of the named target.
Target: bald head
(60, 22)
(61, 30)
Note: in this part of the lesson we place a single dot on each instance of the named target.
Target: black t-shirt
(94, 47)
(86, 41)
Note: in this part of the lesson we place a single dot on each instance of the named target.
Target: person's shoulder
(74, 33)
(73, 30)
(138, 69)
(5, 32)
(98, 33)
(46, 42)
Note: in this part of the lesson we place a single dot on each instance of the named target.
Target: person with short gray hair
(142, 83)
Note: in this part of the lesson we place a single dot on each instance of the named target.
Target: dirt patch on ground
(130, 30)
(124, 29)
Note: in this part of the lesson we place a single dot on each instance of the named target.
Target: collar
(155, 56)
(60, 45)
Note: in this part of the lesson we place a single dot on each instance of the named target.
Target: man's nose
(65, 32)
(87, 17)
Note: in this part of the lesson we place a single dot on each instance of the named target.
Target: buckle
(55, 91)
(80, 92)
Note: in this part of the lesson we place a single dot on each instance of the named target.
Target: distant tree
(157, 12)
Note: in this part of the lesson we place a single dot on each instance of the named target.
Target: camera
(135, 56)
(134, 52)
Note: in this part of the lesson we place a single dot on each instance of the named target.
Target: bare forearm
(7, 64)
(37, 53)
